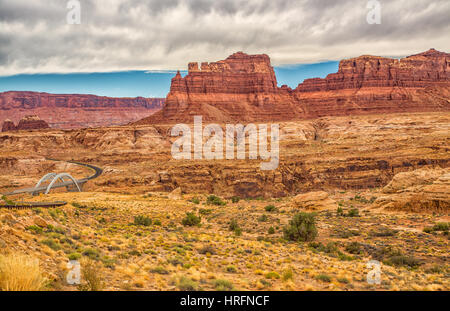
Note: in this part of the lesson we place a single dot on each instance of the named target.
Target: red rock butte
(244, 88)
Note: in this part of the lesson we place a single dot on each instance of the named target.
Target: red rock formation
(241, 87)
(76, 111)
(244, 88)
(8, 126)
(27, 123)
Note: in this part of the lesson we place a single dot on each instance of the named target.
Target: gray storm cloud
(166, 34)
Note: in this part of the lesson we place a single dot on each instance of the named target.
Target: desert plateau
(363, 176)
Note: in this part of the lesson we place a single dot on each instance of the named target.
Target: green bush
(91, 253)
(191, 220)
(187, 284)
(402, 260)
(441, 226)
(35, 229)
(215, 200)
(340, 211)
(74, 256)
(272, 275)
(354, 212)
(262, 218)
(233, 225)
(231, 269)
(302, 227)
(271, 230)
(235, 199)
(159, 270)
(142, 221)
(195, 200)
(223, 285)
(52, 244)
(323, 278)
(269, 208)
(157, 222)
(353, 248)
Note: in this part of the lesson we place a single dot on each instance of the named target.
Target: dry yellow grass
(20, 273)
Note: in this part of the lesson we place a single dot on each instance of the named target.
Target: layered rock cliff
(244, 88)
(241, 87)
(76, 111)
(27, 123)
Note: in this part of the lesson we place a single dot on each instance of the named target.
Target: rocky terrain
(378, 184)
(244, 88)
(366, 161)
(76, 111)
(25, 124)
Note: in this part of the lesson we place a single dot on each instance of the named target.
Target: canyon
(72, 111)
(366, 150)
(244, 88)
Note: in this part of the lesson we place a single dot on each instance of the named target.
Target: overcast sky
(119, 35)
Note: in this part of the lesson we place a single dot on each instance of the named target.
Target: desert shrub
(354, 212)
(91, 253)
(330, 248)
(52, 244)
(345, 234)
(238, 232)
(441, 226)
(159, 270)
(7, 201)
(231, 269)
(233, 225)
(288, 274)
(269, 208)
(343, 280)
(74, 256)
(340, 211)
(353, 248)
(323, 277)
(92, 275)
(271, 230)
(302, 227)
(263, 218)
(20, 273)
(207, 249)
(215, 200)
(383, 232)
(272, 275)
(186, 284)
(402, 260)
(142, 221)
(223, 285)
(191, 220)
(195, 200)
(157, 222)
(35, 229)
(205, 211)
(235, 199)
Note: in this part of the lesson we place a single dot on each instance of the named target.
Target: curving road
(80, 182)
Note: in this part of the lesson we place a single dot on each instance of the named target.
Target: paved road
(81, 182)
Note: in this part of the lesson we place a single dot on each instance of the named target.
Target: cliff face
(241, 87)
(76, 111)
(244, 88)
(27, 123)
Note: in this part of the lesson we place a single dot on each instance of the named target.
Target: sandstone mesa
(244, 88)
